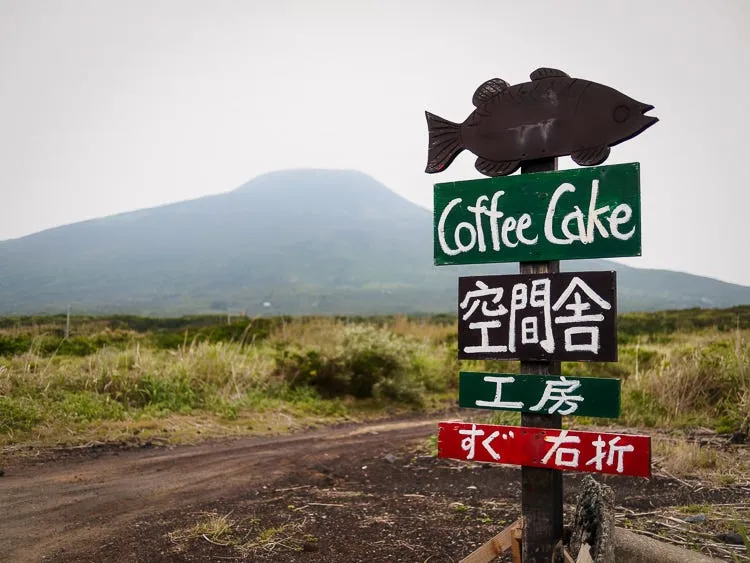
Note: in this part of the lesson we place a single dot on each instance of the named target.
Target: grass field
(179, 379)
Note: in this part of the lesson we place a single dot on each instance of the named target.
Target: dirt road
(345, 494)
(64, 508)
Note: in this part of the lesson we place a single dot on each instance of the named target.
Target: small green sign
(540, 394)
(582, 213)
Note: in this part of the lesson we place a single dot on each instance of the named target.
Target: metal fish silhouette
(553, 115)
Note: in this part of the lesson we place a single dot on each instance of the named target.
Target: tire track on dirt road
(53, 509)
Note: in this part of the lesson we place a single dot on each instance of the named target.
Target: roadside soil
(350, 493)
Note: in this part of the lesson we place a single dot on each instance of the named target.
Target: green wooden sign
(540, 394)
(582, 213)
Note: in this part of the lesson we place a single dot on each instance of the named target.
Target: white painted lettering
(564, 223)
(494, 216)
(548, 231)
(441, 228)
(559, 452)
(594, 215)
(497, 402)
(508, 225)
(478, 209)
(485, 345)
(519, 301)
(472, 236)
(576, 216)
(524, 223)
(621, 214)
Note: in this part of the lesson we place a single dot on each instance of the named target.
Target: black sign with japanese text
(563, 317)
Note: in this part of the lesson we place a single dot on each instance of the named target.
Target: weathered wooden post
(541, 489)
(541, 316)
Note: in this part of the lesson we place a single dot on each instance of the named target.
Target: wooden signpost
(617, 454)
(541, 488)
(540, 317)
(566, 317)
(553, 115)
(580, 213)
(540, 394)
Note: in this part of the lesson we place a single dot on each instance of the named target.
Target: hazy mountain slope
(652, 290)
(305, 241)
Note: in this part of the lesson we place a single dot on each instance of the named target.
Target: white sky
(109, 106)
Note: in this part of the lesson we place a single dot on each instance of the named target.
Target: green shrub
(78, 346)
(641, 408)
(88, 406)
(171, 393)
(363, 361)
(15, 345)
(312, 367)
(164, 340)
(225, 408)
(17, 414)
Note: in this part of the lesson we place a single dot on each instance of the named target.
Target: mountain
(296, 242)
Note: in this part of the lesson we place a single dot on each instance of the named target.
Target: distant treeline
(45, 335)
(663, 323)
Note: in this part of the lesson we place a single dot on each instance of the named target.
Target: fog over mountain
(297, 242)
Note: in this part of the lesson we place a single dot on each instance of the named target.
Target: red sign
(598, 452)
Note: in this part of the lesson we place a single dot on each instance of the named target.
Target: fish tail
(444, 143)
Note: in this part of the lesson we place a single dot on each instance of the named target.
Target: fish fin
(494, 168)
(444, 143)
(540, 73)
(488, 90)
(590, 157)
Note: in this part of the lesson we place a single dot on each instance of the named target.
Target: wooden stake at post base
(498, 545)
(541, 489)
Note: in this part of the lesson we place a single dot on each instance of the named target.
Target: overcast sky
(109, 106)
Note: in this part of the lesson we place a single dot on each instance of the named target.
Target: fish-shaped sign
(553, 115)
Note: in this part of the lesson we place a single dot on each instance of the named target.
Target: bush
(17, 414)
(312, 367)
(165, 392)
(363, 361)
(15, 345)
(77, 346)
(88, 406)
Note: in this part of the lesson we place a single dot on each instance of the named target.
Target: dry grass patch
(425, 330)
(246, 537)
(688, 459)
(289, 536)
(212, 527)
(704, 380)
(307, 332)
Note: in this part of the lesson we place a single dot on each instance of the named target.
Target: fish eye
(621, 113)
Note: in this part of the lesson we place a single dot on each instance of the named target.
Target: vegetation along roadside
(135, 379)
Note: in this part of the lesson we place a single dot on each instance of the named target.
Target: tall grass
(328, 366)
(705, 381)
(306, 368)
